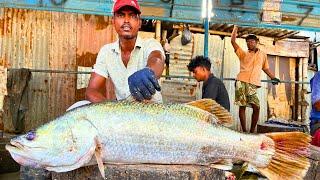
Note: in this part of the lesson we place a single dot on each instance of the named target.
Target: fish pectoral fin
(225, 164)
(98, 155)
(224, 117)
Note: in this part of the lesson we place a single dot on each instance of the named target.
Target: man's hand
(143, 84)
(275, 81)
(234, 36)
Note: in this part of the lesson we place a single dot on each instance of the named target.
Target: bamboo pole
(158, 30)
(196, 29)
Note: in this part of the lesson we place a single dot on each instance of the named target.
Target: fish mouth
(16, 145)
(16, 148)
(20, 155)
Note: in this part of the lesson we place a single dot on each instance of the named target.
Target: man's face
(127, 22)
(252, 44)
(199, 73)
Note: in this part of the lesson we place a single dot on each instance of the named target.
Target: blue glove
(143, 84)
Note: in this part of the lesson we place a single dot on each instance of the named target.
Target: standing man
(213, 87)
(315, 112)
(248, 79)
(133, 64)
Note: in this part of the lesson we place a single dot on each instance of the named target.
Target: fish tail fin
(290, 158)
(224, 117)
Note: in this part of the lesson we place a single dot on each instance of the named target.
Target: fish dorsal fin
(211, 106)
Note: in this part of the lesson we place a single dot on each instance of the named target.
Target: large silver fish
(133, 132)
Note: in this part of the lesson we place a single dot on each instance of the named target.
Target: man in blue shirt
(315, 112)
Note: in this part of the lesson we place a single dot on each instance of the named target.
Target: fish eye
(30, 135)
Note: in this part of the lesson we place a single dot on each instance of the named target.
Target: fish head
(59, 146)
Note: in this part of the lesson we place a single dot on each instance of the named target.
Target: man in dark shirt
(213, 87)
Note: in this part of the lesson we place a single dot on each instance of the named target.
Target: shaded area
(17, 100)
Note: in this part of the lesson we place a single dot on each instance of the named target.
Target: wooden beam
(286, 35)
(196, 29)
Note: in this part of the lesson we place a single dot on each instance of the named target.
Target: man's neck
(254, 50)
(207, 76)
(127, 45)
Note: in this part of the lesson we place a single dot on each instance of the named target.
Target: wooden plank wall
(281, 98)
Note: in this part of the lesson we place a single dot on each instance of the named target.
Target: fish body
(133, 132)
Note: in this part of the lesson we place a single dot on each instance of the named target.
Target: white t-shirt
(109, 64)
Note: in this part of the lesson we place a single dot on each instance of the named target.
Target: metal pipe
(169, 76)
(206, 30)
(270, 81)
(53, 71)
(206, 36)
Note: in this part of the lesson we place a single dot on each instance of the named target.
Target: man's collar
(116, 45)
(138, 42)
(257, 49)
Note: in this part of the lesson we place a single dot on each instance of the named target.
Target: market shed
(48, 47)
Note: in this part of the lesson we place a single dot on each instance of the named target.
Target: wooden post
(304, 102)
(299, 89)
(158, 30)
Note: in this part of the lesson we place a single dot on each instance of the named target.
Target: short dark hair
(252, 36)
(199, 61)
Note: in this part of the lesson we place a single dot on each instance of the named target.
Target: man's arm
(275, 81)
(95, 90)
(269, 73)
(233, 37)
(156, 62)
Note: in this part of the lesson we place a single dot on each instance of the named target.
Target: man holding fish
(132, 63)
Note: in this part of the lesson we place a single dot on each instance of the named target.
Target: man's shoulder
(262, 52)
(215, 80)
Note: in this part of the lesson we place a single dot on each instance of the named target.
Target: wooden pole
(158, 30)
